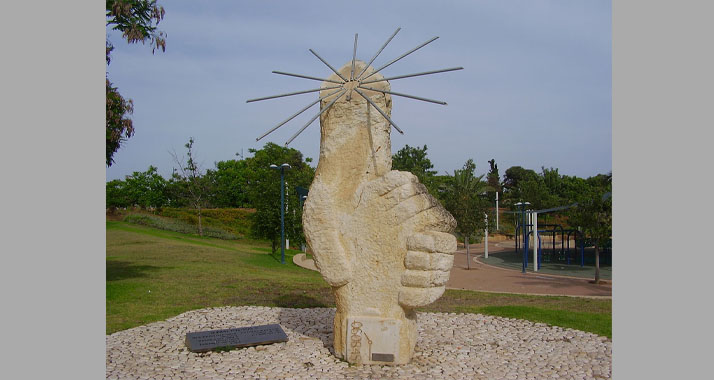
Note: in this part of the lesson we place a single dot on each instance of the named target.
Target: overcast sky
(535, 90)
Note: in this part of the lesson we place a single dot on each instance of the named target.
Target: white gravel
(450, 346)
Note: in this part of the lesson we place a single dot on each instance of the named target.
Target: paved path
(488, 278)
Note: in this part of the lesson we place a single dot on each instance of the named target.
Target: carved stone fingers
(428, 263)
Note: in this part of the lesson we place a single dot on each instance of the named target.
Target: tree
(463, 201)
(193, 183)
(146, 189)
(571, 188)
(137, 20)
(116, 195)
(415, 161)
(594, 214)
(493, 179)
(119, 126)
(229, 183)
(264, 191)
(514, 176)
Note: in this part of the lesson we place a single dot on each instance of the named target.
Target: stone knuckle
(414, 297)
(437, 261)
(424, 278)
(443, 242)
(421, 242)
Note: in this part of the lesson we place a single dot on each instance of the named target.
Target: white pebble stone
(449, 346)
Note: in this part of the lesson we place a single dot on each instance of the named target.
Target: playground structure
(562, 254)
(530, 236)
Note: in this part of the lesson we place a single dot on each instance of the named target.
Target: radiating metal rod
(292, 93)
(400, 57)
(297, 113)
(315, 117)
(404, 95)
(306, 77)
(380, 50)
(328, 65)
(354, 55)
(413, 75)
(380, 110)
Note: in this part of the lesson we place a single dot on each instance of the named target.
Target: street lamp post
(302, 202)
(496, 210)
(282, 168)
(522, 208)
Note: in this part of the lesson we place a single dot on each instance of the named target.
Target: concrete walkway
(487, 278)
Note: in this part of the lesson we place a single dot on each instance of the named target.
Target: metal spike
(354, 55)
(328, 65)
(380, 110)
(297, 113)
(315, 117)
(306, 77)
(292, 93)
(413, 75)
(404, 95)
(402, 56)
(380, 50)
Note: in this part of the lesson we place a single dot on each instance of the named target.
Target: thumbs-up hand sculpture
(378, 237)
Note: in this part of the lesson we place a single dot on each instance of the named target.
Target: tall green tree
(264, 191)
(146, 189)
(137, 20)
(415, 161)
(594, 214)
(116, 196)
(119, 126)
(514, 176)
(464, 201)
(230, 180)
(493, 179)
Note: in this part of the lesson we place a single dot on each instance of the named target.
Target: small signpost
(203, 341)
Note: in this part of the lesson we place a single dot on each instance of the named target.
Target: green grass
(155, 274)
(600, 324)
(586, 314)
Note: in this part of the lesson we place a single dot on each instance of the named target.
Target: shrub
(177, 225)
(233, 220)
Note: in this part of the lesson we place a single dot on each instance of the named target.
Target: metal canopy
(544, 210)
(354, 83)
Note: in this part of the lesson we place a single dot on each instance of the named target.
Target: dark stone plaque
(203, 341)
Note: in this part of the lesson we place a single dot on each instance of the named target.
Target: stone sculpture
(378, 237)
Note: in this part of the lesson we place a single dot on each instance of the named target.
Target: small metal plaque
(203, 341)
(382, 357)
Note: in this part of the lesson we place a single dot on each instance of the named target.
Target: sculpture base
(377, 340)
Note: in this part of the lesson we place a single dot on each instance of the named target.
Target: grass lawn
(154, 274)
